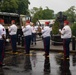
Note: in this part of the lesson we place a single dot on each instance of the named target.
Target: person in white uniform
(66, 35)
(46, 38)
(2, 41)
(27, 32)
(34, 31)
(13, 35)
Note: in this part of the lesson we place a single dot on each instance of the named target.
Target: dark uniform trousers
(33, 37)
(13, 42)
(46, 42)
(66, 48)
(27, 43)
(2, 48)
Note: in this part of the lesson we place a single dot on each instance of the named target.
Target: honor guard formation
(31, 33)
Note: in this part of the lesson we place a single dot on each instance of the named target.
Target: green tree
(23, 6)
(14, 6)
(73, 27)
(39, 13)
(33, 11)
(56, 38)
(9, 6)
(55, 28)
(48, 13)
(71, 14)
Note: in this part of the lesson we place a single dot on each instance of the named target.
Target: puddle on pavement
(37, 64)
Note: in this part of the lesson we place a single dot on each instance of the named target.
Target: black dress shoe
(0, 65)
(31, 43)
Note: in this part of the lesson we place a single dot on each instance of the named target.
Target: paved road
(37, 64)
(55, 48)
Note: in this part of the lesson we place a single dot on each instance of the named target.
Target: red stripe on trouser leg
(25, 43)
(3, 50)
(10, 41)
(3, 53)
(64, 47)
(45, 45)
(0, 62)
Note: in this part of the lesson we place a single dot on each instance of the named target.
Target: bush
(56, 38)
(73, 27)
(55, 28)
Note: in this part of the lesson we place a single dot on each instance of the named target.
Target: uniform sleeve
(51, 29)
(9, 29)
(3, 31)
(25, 29)
(63, 31)
(43, 30)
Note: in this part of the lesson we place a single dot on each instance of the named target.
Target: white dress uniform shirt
(36, 27)
(27, 30)
(2, 31)
(33, 29)
(46, 31)
(12, 29)
(66, 32)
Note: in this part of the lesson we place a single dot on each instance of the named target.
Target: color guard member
(27, 32)
(46, 38)
(66, 34)
(13, 35)
(2, 41)
(34, 31)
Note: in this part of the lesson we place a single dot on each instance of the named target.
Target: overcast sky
(56, 5)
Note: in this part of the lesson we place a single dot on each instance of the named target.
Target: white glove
(8, 40)
(59, 30)
(22, 27)
(8, 27)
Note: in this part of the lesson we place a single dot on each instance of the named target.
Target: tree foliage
(48, 14)
(71, 14)
(73, 27)
(23, 6)
(14, 6)
(9, 5)
(55, 28)
(33, 11)
(39, 13)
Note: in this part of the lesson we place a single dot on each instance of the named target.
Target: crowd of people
(29, 32)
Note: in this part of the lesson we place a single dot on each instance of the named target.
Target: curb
(52, 50)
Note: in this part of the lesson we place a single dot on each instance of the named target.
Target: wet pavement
(37, 64)
(54, 48)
